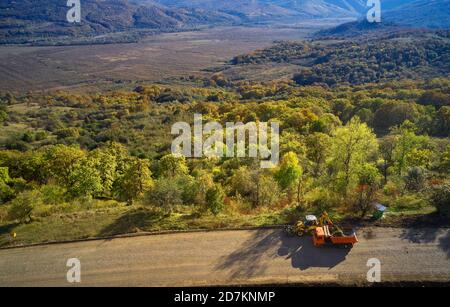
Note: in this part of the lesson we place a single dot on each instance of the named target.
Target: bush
(19, 185)
(165, 194)
(269, 193)
(440, 198)
(415, 179)
(392, 189)
(214, 199)
(4, 175)
(321, 199)
(68, 133)
(6, 193)
(22, 206)
(408, 202)
(53, 194)
(189, 187)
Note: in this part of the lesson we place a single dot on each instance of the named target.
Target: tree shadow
(5, 231)
(7, 228)
(247, 261)
(131, 222)
(441, 236)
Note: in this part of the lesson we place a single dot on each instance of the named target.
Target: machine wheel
(289, 230)
(300, 233)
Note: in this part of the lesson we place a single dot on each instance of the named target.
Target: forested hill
(409, 55)
(27, 21)
(361, 29)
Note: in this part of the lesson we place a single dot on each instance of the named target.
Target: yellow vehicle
(310, 224)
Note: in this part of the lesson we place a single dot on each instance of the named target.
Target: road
(230, 258)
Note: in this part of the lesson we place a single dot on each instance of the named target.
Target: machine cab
(310, 220)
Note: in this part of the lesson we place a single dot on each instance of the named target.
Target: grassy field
(154, 59)
(121, 219)
(104, 219)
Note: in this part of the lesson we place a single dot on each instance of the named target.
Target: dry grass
(154, 59)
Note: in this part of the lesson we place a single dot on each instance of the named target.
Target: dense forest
(342, 149)
(408, 55)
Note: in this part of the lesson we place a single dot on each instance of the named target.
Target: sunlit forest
(78, 165)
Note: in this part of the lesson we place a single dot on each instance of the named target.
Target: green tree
(444, 163)
(121, 155)
(53, 194)
(165, 194)
(352, 146)
(203, 181)
(243, 182)
(60, 161)
(172, 166)
(406, 143)
(190, 189)
(268, 191)
(28, 165)
(394, 113)
(214, 199)
(4, 175)
(318, 145)
(442, 122)
(84, 180)
(6, 193)
(3, 116)
(387, 146)
(368, 185)
(289, 173)
(440, 198)
(23, 205)
(106, 165)
(136, 181)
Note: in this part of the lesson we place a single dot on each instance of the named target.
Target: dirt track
(232, 257)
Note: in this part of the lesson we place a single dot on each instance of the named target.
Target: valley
(156, 58)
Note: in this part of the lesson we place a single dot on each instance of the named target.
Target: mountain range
(36, 20)
(29, 20)
(415, 13)
(273, 9)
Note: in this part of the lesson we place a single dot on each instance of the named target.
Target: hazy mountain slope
(422, 13)
(307, 8)
(416, 14)
(257, 9)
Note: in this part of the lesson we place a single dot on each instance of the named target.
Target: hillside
(408, 55)
(268, 10)
(422, 14)
(359, 28)
(44, 22)
(396, 16)
(32, 21)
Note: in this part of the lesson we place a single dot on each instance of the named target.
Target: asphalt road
(231, 257)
